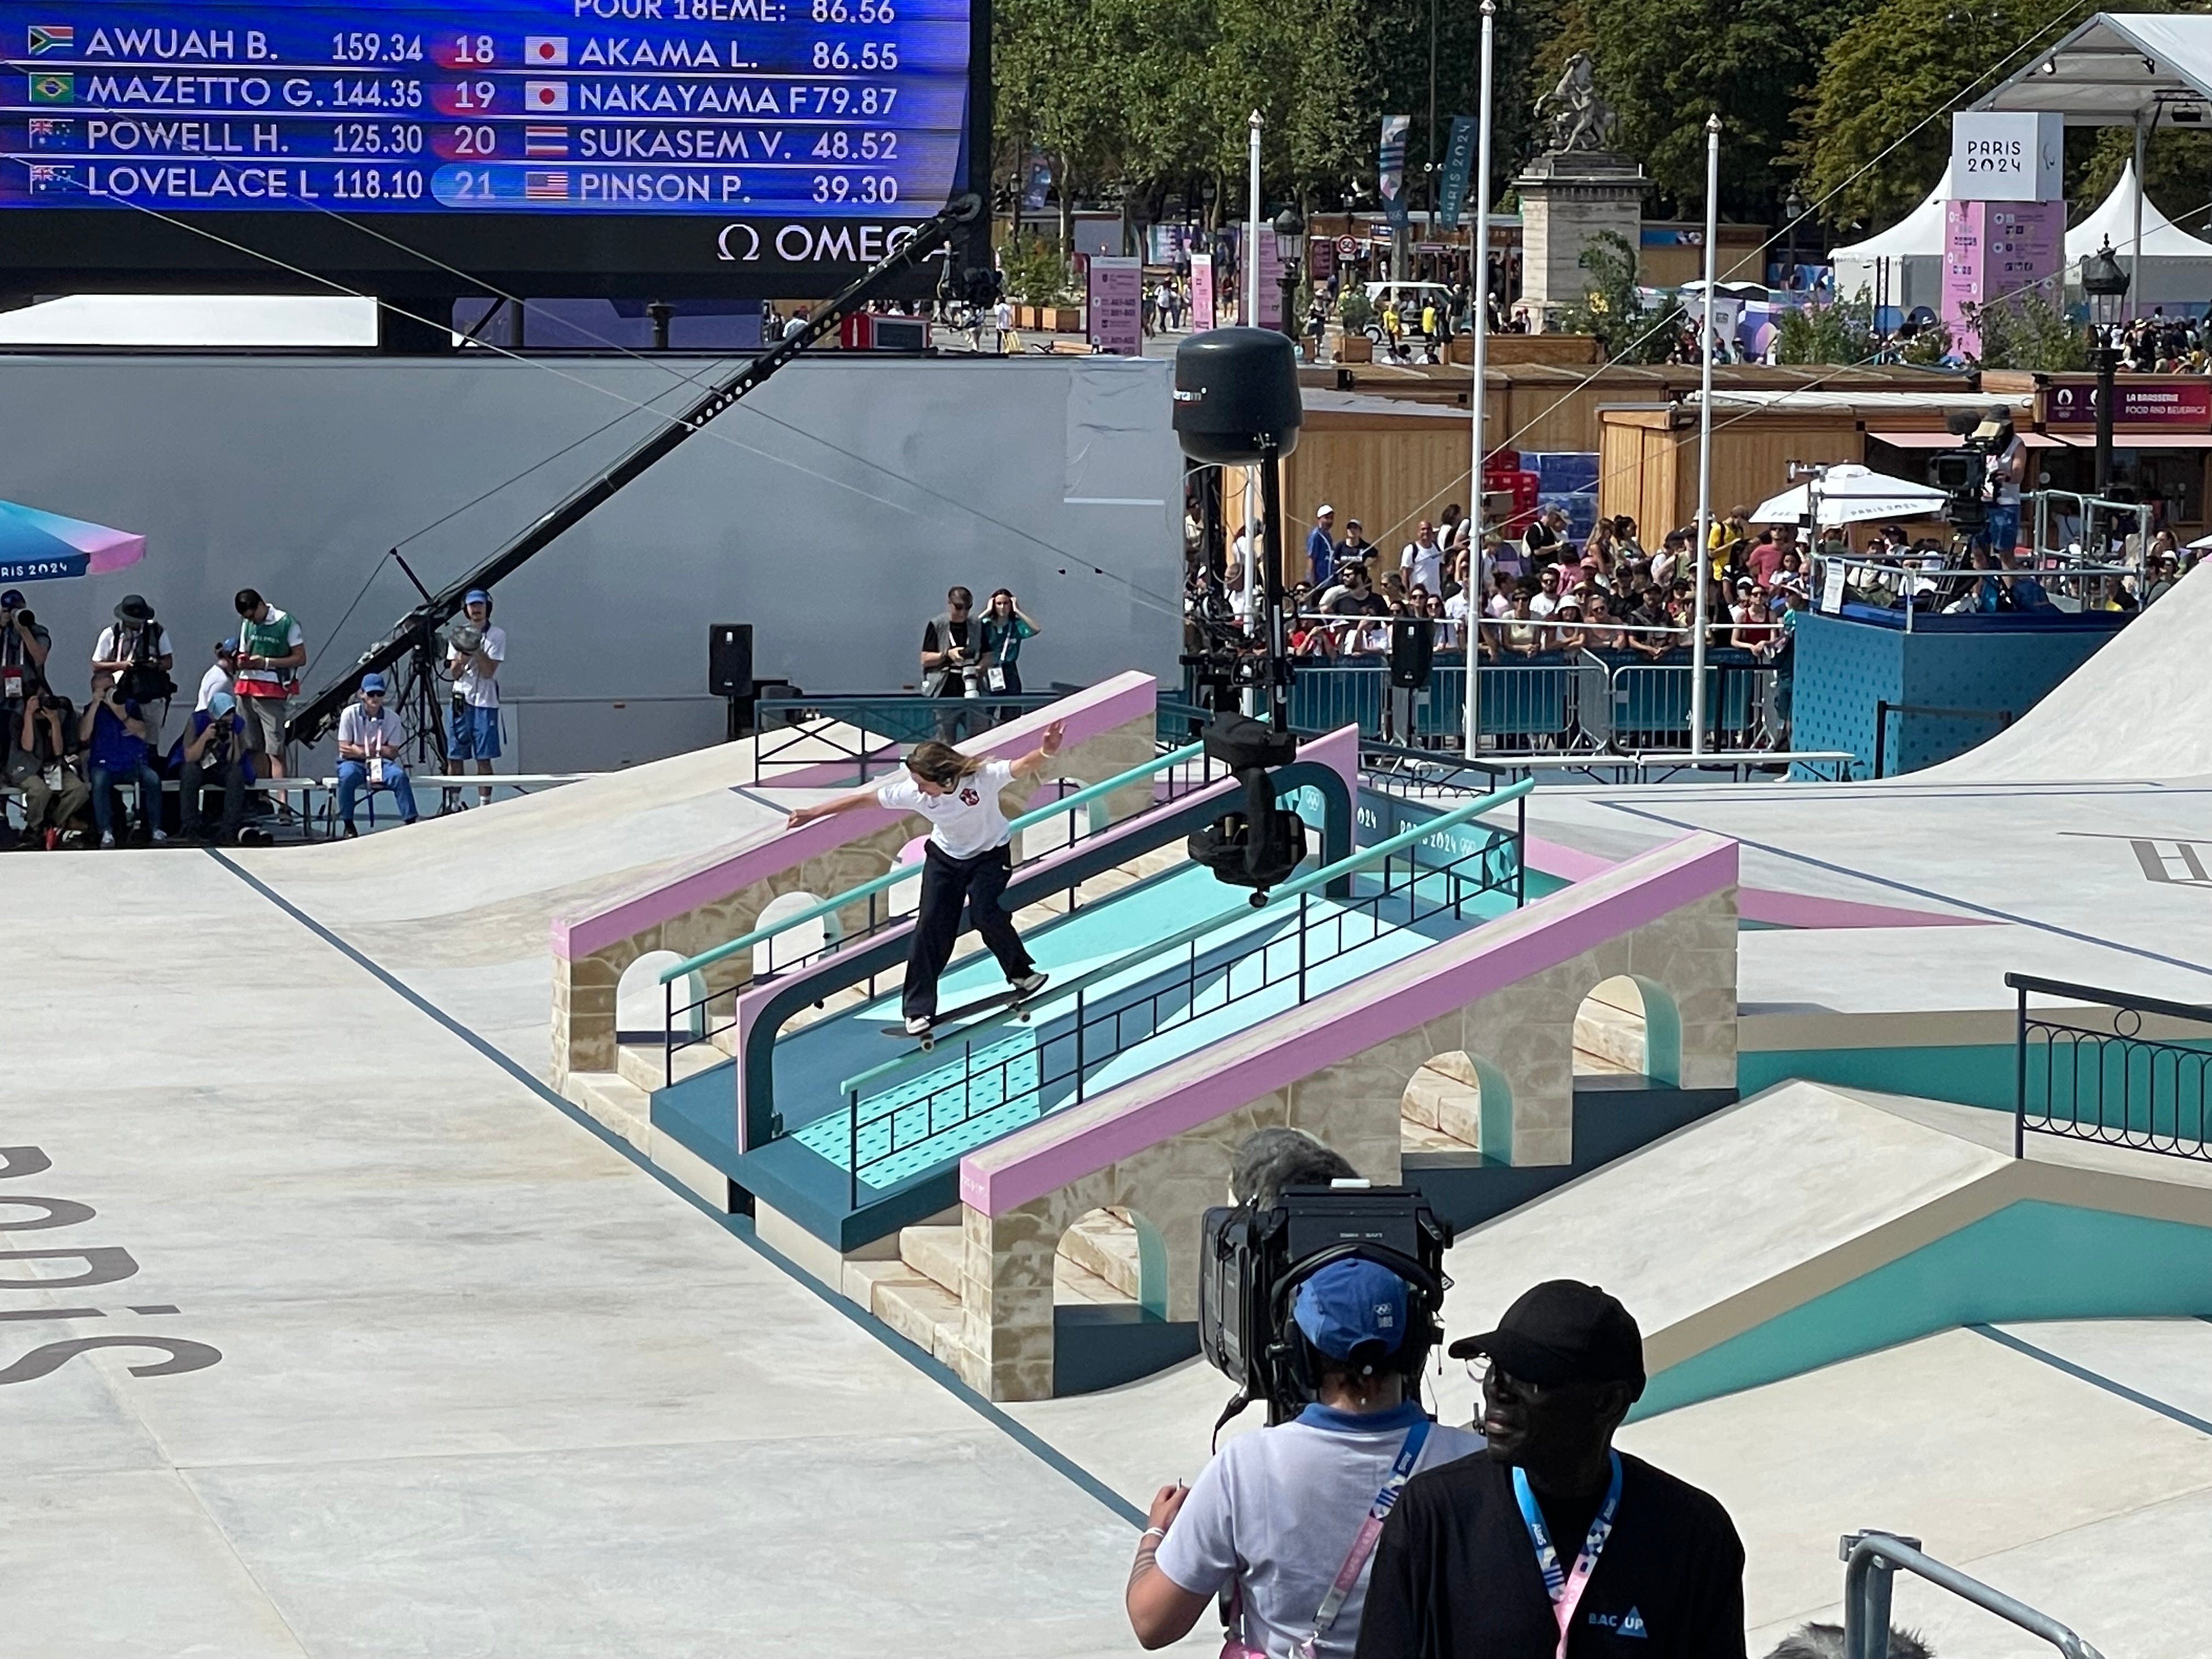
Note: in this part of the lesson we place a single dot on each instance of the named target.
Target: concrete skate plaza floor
(488, 1387)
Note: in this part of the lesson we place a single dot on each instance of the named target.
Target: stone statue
(1571, 116)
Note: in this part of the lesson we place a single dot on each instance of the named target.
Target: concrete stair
(1443, 1107)
(1609, 1031)
(1097, 1260)
(614, 1101)
(643, 1065)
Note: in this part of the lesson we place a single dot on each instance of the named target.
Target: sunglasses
(1494, 1379)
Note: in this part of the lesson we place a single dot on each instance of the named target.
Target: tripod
(422, 708)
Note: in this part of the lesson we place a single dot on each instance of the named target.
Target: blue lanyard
(1565, 1587)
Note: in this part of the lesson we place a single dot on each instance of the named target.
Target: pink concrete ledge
(1766, 904)
(1348, 1021)
(1088, 714)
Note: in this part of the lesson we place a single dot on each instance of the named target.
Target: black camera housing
(1252, 1262)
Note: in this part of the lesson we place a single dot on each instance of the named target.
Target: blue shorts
(475, 734)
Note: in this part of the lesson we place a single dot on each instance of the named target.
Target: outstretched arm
(1032, 764)
(823, 809)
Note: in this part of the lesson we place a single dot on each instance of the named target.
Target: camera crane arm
(320, 715)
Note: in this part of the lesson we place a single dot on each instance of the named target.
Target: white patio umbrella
(1851, 494)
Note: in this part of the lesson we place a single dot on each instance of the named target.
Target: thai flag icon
(545, 97)
(545, 50)
(549, 143)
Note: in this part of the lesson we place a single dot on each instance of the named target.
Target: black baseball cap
(1563, 1331)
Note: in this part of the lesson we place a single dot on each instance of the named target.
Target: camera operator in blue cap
(1284, 1521)
(1553, 1543)
(475, 649)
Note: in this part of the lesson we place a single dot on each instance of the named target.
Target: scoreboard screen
(715, 146)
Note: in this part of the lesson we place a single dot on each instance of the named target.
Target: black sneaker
(351, 834)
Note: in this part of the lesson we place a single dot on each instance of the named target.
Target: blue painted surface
(2030, 1261)
(1845, 666)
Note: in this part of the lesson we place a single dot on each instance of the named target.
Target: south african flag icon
(53, 89)
(51, 36)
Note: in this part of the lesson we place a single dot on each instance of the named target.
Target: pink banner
(1117, 310)
(1202, 291)
(1271, 280)
(1994, 250)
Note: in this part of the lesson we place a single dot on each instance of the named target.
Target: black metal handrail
(1883, 709)
(2112, 1085)
(890, 719)
(1871, 1560)
(1198, 983)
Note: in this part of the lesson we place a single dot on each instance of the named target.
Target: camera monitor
(687, 147)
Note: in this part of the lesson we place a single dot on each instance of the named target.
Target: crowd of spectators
(97, 771)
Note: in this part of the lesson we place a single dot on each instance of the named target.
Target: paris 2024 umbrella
(36, 546)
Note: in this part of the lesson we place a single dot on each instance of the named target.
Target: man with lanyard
(24, 645)
(370, 742)
(1553, 1543)
(951, 647)
(1287, 1517)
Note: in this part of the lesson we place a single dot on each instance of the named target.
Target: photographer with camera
(213, 752)
(271, 650)
(23, 647)
(475, 650)
(135, 649)
(951, 660)
(1284, 1520)
(114, 734)
(1552, 1543)
(370, 739)
(43, 764)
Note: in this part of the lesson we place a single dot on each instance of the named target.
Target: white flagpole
(1702, 589)
(1479, 261)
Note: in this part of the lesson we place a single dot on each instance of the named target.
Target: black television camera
(1963, 474)
(1251, 1263)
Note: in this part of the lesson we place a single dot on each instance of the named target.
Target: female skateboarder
(967, 860)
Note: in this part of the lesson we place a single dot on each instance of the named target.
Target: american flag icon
(551, 142)
(545, 186)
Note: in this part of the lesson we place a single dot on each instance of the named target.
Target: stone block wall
(583, 1013)
(1684, 962)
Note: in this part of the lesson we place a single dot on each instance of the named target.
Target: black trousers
(946, 883)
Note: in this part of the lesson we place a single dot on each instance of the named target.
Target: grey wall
(831, 509)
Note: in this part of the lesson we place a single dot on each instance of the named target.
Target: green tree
(2027, 332)
(1665, 64)
(1840, 332)
(1612, 308)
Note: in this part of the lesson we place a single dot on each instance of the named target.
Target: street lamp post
(1479, 269)
(1290, 232)
(2107, 285)
(1793, 210)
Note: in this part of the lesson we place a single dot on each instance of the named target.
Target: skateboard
(1008, 998)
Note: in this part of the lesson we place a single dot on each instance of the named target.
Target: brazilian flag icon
(60, 88)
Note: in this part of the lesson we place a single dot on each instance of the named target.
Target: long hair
(942, 765)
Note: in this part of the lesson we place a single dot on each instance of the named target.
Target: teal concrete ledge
(2032, 1259)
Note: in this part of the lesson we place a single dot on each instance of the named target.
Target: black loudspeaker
(1237, 396)
(730, 660)
(1412, 649)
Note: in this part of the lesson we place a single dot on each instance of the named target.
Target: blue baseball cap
(221, 704)
(371, 683)
(1352, 1304)
(229, 645)
(476, 596)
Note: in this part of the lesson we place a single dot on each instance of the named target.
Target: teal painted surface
(2030, 1261)
(1971, 1075)
(1662, 1034)
(1984, 1075)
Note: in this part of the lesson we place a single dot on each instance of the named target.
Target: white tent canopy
(1851, 494)
(2117, 70)
(2176, 266)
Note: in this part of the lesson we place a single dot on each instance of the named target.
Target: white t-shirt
(482, 690)
(1282, 1505)
(1423, 567)
(963, 823)
(217, 678)
(111, 648)
(357, 728)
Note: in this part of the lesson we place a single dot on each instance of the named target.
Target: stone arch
(1112, 1256)
(1630, 1023)
(1465, 1097)
(795, 945)
(641, 1004)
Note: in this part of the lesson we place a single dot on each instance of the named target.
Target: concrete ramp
(1811, 1224)
(2139, 709)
